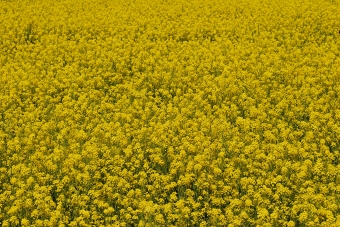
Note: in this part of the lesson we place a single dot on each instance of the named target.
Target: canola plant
(169, 113)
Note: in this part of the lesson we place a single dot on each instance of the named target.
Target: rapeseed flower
(168, 113)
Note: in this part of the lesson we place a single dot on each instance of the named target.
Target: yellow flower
(248, 203)
(159, 218)
(303, 217)
(25, 222)
(291, 224)
(99, 111)
(262, 213)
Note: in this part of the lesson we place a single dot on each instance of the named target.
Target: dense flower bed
(169, 113)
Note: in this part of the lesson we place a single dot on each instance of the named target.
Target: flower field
(170, 113)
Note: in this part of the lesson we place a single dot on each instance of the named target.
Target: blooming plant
(169, 113)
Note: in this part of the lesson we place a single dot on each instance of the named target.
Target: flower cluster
(169, 113)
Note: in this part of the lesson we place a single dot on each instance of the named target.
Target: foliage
(169, 113)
